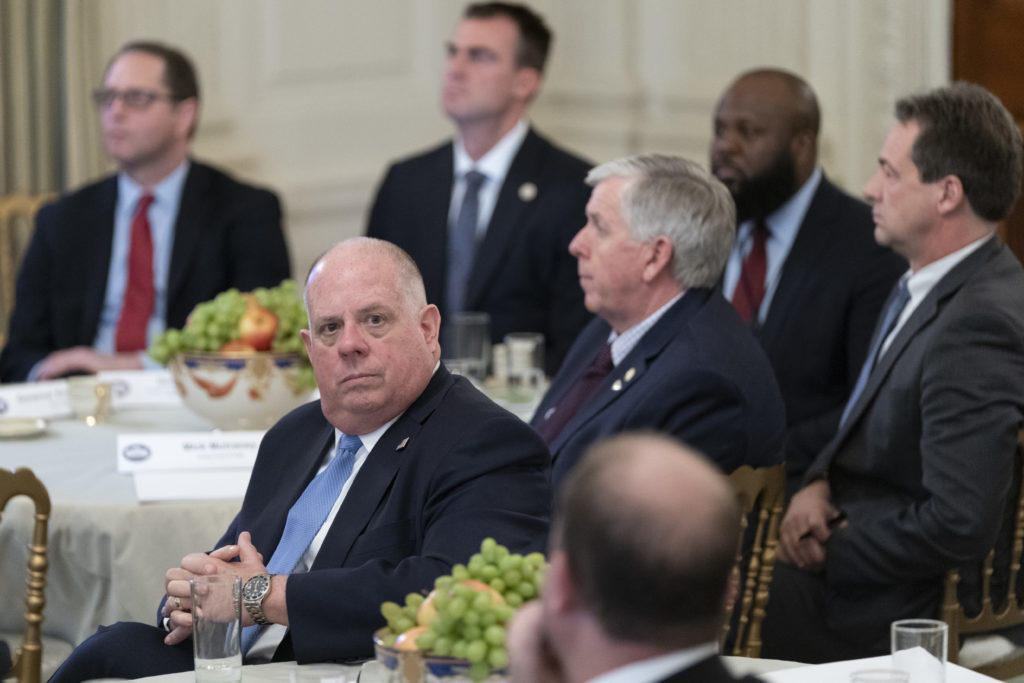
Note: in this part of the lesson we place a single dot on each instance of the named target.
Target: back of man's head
(534, 35)
(649, 529)
(676, 198)
(967, 132)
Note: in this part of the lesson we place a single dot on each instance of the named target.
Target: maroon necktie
(577, 395)
(139, 295)
(750, 287)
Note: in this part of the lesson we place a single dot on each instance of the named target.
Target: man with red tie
(665, 350)
(805, 272)
(115, 263)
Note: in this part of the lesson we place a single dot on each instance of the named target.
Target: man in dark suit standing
(112, 265)
(805, 271)
(643, 541)
(417, 467)
(665, 351)
(488, 216)
(915, 481)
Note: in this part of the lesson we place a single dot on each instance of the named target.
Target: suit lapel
(98, 234)
(633, 367)
(922, 316)
(193, 218)
(811, 239)
(375, 476)
(507, 217)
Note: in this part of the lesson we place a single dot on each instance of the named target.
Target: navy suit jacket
(924, 461)
(710, 670)
(227, 235)
(697, 374)
(523, 274)
(451, 471)
(819, 324)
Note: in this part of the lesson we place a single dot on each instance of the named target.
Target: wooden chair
(29, 657)
(760, 492)
(1001, 600)
(17, 220)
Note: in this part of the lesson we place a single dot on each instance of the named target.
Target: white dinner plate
(21, 427)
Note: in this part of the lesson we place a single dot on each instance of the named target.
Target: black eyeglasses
(133, 99)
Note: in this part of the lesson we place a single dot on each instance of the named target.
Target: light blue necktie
(307, 515)
(462, 243)
(892, 313)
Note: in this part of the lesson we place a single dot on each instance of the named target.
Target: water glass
(217, 628)
(879, 676)
(919, 648)
(469, 335)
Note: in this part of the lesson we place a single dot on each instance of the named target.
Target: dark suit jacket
(227, 235)
(697, 374)
(819, 324)
(923, 464)
(453, 470)
(523, 274)
(710, 670)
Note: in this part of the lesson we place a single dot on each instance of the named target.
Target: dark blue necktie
(897, 301)
(462, 243)
(308, 514)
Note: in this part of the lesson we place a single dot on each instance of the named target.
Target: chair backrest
(760, 492)
(993, 595)
(29, 657)
(17, 220)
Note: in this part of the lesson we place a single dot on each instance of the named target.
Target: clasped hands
(809, 522)
(178, 606)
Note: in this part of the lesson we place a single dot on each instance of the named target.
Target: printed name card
(141, 388)
(35, 399)
(189, 465)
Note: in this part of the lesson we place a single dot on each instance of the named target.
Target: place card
(141, 388)
(188, 465)
(35, 399)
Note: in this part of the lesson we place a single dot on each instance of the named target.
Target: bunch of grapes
(466, 614)
(215, 323)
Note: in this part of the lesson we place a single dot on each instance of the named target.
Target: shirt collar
(658, 668)
(623, 343)
(784, 222)
(166, 193)
(495, 163)
(922, 282)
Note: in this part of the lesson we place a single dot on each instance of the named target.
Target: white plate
(21, 427)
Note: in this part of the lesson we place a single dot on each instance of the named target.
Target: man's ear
(430, 323)
(188, 115)
(527, 83)
(560, 594)
(658, 259)
(951, 197)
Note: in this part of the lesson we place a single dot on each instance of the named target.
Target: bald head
(765, 142)
(649, 528)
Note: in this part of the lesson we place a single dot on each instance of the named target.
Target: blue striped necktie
(308, 514)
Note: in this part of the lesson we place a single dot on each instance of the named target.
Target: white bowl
(240, 390)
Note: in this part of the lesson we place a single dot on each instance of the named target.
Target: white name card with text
(141, 388)
(35, 399)
(188, 465)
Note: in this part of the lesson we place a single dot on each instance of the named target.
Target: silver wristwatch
(254, 592)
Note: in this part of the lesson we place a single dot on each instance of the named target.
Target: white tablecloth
(108, 552)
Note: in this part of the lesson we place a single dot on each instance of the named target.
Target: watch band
(254, 595)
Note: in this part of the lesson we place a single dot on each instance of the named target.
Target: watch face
(255, 587)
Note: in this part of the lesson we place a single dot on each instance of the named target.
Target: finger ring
(177, 601)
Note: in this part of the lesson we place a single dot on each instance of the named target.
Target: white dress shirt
(494, 164)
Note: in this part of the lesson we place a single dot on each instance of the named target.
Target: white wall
(314, 97)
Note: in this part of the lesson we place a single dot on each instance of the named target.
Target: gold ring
(177, 601)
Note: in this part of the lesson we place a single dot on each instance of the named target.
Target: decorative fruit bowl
(417, 666)
(241, 390)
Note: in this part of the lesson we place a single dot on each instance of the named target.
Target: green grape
(512, 577)
(513, 599)
(489, 618)
(510, 562)
(497, 658)
(481, 601)
(426, 640)
(459, 649)
(476, 651)
(460, 573)
(527, 589)
(478, 671)
(443, 646)
(390, 610)
(489, 572)
(456, 608)
(403, 624)
(495, 635)
(497, 584)
(472, 632)
(413, 600)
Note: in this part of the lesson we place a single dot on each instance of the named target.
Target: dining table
(108, 551)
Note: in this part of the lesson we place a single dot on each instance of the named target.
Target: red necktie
(577, 395)
(139, 295)
(750, 287)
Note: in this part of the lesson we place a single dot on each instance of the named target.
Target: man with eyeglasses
(115, 263)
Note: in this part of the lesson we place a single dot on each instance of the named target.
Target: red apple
(257, 326)
(237, 347)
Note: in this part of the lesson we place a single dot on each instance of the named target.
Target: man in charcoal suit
(115, 263)
(488, 216)
(416, 466)
(915, 481)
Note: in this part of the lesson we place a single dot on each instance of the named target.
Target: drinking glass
(469, 335)
(217, 628)
(919, 648)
